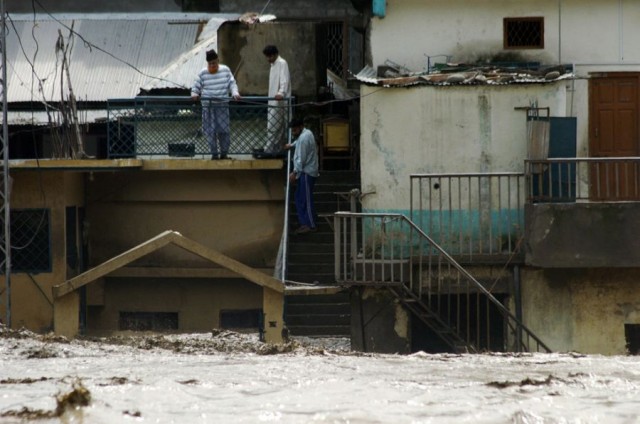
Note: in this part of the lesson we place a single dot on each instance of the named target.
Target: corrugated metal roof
(119, 55)
(44, 118)
(180, 72)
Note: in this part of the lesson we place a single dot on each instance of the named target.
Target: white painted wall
(431, 129)
(593, 35)
(582, 32)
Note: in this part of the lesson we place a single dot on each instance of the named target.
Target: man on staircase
(304, 174)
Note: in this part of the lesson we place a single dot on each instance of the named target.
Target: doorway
(614, 133)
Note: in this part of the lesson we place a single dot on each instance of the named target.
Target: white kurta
(279, 84)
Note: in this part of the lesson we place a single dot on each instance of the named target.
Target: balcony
(159, 127)
(560, 213)
(583, 212)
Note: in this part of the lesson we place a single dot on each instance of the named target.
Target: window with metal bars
(523, 33)
(335, 50)
(30, 240)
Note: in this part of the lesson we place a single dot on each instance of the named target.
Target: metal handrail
(383, 252)
(171, 126)
(470, 213)
(599, 179)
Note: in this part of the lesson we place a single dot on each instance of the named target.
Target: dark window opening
(632, 337)
(523, 33)
(332, 48)
(30, 242)
(148, 321)
(248, 318)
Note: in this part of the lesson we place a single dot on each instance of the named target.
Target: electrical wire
(265, 6)
(90, 45)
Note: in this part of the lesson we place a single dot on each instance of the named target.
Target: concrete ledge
(160, 164)
(577, 235)
(312, 290)
(75, 164)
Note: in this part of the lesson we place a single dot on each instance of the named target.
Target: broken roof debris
(393, 75)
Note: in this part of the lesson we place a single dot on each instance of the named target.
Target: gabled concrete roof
(158, 242)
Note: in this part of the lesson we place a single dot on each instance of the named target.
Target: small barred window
(523, 33)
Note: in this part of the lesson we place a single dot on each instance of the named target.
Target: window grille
(30, 240)
(523, 33)
(148, 321)
(335, 47)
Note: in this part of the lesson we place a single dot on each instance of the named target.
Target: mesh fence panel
(30, 245)
(174, 127)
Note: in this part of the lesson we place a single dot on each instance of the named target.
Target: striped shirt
(222, 84)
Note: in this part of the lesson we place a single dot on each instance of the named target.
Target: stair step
(317, 237)
(311, 260)
(300, 257)
(317, 278)
(311, 247)
(311, 268)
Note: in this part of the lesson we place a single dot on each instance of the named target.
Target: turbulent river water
(227, 377)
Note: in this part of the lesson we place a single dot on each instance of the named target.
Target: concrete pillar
(66, 314)
(273, 308)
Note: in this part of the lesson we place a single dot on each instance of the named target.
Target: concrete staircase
(311, 261)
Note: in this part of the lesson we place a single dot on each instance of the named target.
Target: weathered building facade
(559, 220)
(120, 219)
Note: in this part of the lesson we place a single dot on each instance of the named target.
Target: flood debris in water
(79, 396)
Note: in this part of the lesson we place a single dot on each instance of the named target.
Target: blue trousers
(215, 126)
(304, 200)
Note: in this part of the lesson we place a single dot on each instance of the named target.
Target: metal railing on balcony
(161, 126)
(381, 249)
(470, 214)
(615, 179)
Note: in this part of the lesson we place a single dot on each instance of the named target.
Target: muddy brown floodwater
(229, 377)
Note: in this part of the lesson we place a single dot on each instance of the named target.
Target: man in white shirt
(279, 91)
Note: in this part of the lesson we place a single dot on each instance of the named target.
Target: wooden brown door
(614, 133)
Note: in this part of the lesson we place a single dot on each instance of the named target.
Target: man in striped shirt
(213, 85)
